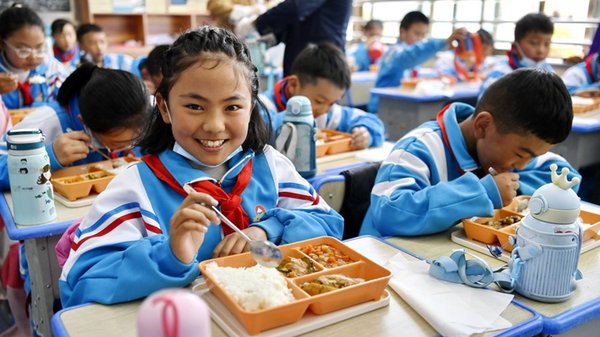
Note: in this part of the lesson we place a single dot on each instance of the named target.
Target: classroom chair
(349, 193)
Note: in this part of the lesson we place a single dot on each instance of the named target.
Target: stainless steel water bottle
(29, 174)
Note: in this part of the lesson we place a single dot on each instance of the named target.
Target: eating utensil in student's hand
(95, 149)
(265, 253)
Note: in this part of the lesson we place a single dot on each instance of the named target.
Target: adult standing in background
(228, 13)
(300, 22)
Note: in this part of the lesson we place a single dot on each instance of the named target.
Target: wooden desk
(402, 110)
(396, 319)
(558, 318)
(359, 93)
(581, 146)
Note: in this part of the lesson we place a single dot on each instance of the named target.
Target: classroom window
(575, 21)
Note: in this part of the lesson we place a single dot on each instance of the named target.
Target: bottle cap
(24, 139)
(299, 105)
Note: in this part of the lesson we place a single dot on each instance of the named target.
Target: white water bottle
(29, 175)
(297, 136)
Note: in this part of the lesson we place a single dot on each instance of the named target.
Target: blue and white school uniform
(339, 118)
(402, 61)
(427, 185)
(122, 252)
(117, 61)
(39, 88)
(583, 76)
(53, 120)
(506, 66)
(360, 54)
(445, 65)
(70, 59)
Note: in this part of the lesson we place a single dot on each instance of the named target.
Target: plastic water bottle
(299, 115)
(29, 175)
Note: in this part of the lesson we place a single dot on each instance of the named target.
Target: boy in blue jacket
(321, 73)
(402, 60)
(437, 174)
(583, 76)
(533, 35)
(93, 44)
(368, 51)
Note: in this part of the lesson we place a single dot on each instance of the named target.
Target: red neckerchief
(281, 93)
(590, 67)
(25, 89)
(461, 70)
(512, 59)
(231, 203)
(440, 120)
(414, 73)
(63, 57)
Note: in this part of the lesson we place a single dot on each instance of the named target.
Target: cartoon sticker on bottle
(260, 211)
(44, 194)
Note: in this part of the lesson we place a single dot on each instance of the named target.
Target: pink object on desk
(173, 313)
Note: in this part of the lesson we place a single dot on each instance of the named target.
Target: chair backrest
(357, 196)
(331, 188)
(349, 193)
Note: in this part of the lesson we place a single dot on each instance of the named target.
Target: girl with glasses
(98, 114)
(29, 75)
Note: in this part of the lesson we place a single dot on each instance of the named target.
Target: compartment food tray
(476, 229)
(331, 142)
(375, 278)
(80, 181)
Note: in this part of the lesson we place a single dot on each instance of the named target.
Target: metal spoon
(266, 253)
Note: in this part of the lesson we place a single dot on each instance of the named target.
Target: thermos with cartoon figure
(29, 175)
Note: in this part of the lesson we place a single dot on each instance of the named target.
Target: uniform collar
(455, 113)
(183, 172)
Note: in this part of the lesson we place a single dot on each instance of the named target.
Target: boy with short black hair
(65, 47)
(93, 45)
(533, 35)
(437, 174)
(402, 60)
(320, 72)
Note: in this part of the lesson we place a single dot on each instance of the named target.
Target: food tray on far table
(331, 142)
(83, 180)
(479, 232)
(16, 115)
(319, 276)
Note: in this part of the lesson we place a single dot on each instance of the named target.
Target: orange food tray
(79, 181)
(16, 115)
(476, 230)
(376, 279)
(331, 142)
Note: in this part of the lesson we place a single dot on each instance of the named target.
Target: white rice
(253, 288)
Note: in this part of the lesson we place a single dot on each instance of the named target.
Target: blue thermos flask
(297, 136)
(29, 175)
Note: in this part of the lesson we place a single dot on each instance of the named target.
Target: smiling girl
(144, 232)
